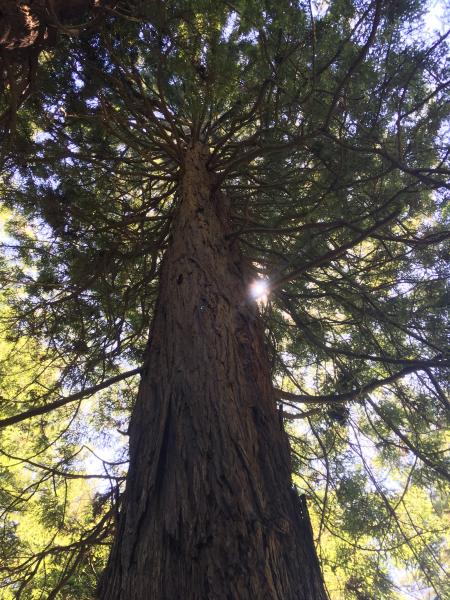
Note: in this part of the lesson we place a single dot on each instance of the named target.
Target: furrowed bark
(209, 510)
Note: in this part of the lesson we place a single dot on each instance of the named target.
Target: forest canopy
(327, 131)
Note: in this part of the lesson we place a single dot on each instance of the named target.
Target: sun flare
(259, 290)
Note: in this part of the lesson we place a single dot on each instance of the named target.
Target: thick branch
(346, 396)
(46, 408)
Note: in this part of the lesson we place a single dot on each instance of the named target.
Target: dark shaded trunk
(209, 511)
(26, 29)
(23, 24)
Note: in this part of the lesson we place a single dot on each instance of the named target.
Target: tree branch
(346, 396)
(46, 408)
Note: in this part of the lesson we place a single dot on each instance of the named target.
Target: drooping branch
(46, 408)
(355, 394)
(438, 468)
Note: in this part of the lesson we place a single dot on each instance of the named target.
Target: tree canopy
(328, 131)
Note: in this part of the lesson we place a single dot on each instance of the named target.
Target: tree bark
(26, 29)
(24, 24)
(209, 511)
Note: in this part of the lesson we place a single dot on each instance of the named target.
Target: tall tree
(182, 162)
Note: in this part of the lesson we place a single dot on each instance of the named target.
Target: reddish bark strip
(23, 23)
(209, 510)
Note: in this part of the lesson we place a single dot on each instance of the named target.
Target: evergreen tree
(262, 186)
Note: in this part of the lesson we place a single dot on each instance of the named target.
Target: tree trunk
(209, 510)
(25, 23)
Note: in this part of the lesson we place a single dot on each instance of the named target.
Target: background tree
(328, 153)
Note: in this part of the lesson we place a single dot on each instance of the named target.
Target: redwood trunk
(23, 23)
(209, 510)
